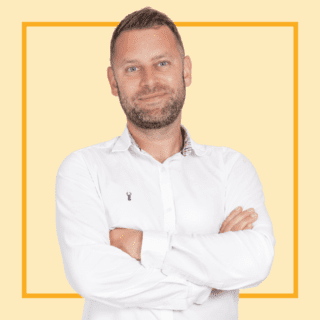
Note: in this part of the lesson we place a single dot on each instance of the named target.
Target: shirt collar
(126, 140)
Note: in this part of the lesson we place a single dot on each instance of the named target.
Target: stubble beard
(144, 118)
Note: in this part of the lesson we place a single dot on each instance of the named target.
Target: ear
(187, 70)
(112, 82)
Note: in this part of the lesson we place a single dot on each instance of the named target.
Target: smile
(153, 97)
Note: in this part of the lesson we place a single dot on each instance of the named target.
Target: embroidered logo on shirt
(129, 196)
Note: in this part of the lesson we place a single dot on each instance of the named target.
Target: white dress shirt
(179, 205)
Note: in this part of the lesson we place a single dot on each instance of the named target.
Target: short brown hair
(144, 19)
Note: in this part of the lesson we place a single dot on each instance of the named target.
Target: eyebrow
(166, 54)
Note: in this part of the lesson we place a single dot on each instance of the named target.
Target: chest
(172, 198)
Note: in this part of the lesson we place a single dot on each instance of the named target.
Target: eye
(164, 62)
(131, 68)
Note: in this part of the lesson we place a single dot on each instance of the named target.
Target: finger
(250, 213)
(230, 217)
(243, 223)
(234, 217)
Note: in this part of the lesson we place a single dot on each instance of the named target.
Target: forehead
(145, 44)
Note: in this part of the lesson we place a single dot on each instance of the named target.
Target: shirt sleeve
(230, 260)
(97, 270)
(155, 245)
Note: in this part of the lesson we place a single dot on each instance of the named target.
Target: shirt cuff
(199, 293)
(155, 245)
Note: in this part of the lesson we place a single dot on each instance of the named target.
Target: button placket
(167, 200)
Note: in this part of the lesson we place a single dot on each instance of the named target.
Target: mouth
(153, 97)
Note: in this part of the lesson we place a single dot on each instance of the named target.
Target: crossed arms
(130, 240)
(101, 272)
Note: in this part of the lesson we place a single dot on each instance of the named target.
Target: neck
(161, 143)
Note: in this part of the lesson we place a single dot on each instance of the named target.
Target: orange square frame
(294, 25)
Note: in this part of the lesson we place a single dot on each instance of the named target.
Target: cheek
(170, 79)
(127, 91)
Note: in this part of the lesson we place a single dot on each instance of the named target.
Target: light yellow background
(241, 97)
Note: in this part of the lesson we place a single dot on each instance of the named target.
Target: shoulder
(227, 154)
(229, 158)
(86, 156)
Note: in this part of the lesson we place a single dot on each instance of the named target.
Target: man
(143, 220)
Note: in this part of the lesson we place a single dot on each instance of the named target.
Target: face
(148, 63)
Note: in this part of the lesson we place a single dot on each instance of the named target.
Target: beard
(167, 110)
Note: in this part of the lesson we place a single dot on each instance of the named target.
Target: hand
(127, 240)
(237, 220)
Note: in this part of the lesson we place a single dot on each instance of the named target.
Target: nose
(148, 78)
